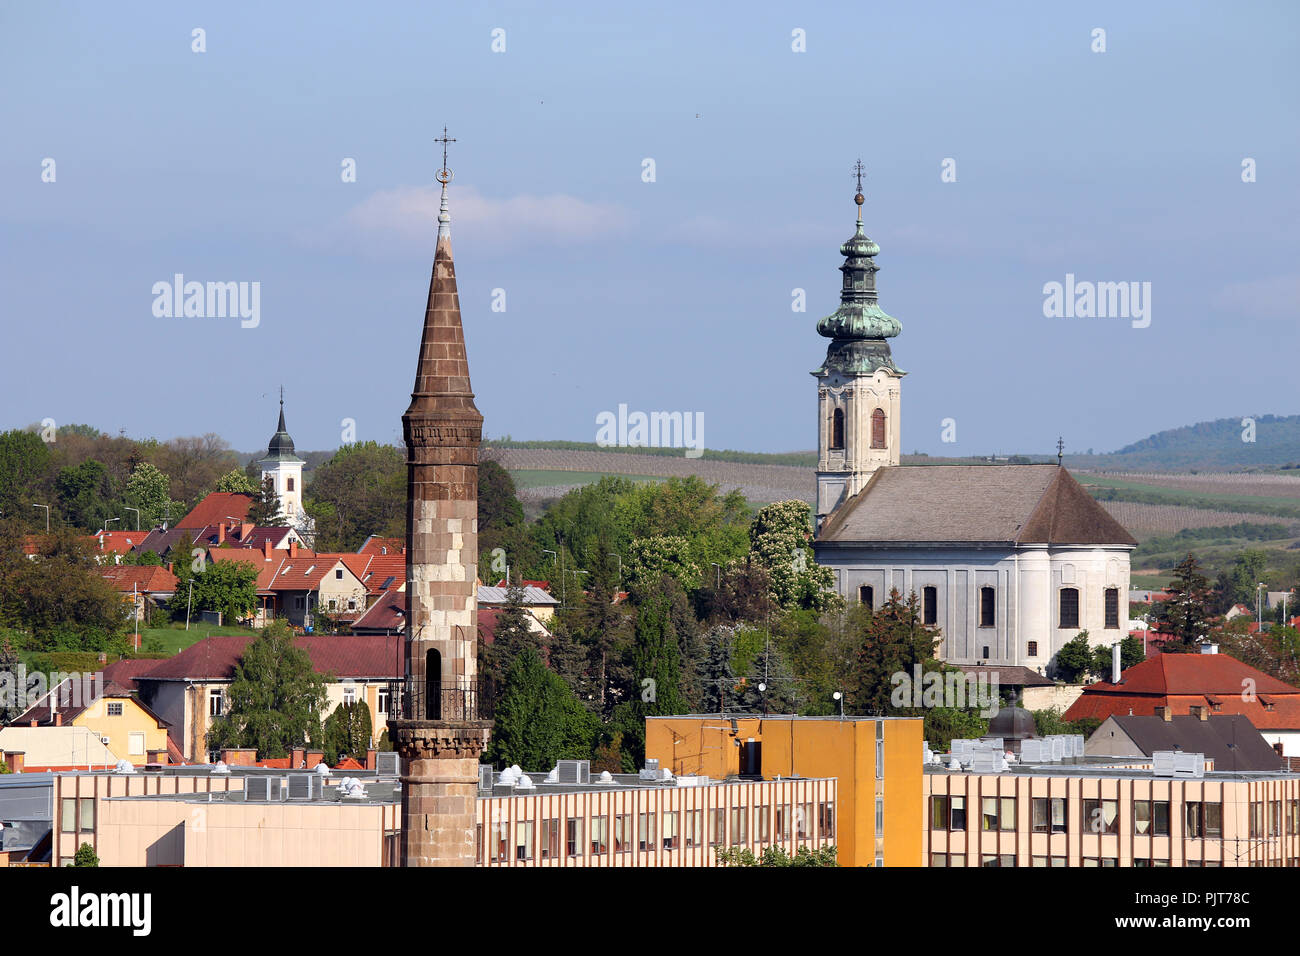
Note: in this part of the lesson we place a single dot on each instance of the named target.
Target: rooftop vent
(573, 771)
(388, 763)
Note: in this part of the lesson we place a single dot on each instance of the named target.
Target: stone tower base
(440, 762)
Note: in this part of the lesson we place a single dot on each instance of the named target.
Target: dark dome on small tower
(1012, 723)
(280, 448)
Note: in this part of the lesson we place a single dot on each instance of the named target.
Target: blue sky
(672, 295)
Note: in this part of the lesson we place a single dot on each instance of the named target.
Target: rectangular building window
(600, 834)
(989, 813)
(1214, 819)
(1275, 818)
(1008, 815)
(214, 703)
(763, 824)
(693, 833)
(115, 709)
(1100, 816)
(1033, 649)
(717, 826)
(1049, 814)
(1069, 607)
(930, 605)
(623, 833)
(86, 806)
(670, 830)
(783, 821)
(739, 825)
(826, 821)
(382, 700)
(573, 836)
(803, 821)
(524, 840)
(550, 838)
(988, 606)
(1112, 607)
(957, 814)
(645, 831)
(68, 815)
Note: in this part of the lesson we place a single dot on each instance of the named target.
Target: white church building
(1009, 561)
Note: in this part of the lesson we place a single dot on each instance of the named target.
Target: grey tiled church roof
(989, 504)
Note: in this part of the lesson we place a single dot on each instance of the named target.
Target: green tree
(148, 491)
(85, 494)
(512, 636)
(85, 856)
(890, 640)
(652, 557)
(1075, 659)
(776, 856)
(780, 541)
(237, 482)
(538, 719)
(264, 512)
(62, 599)
(9, 664)
(276, 698)
(24, 467)
(359, 492)
(227, 587)
(1185, 615)
(347, 732)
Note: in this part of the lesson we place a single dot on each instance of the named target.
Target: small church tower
(858, 384)
(285, 469)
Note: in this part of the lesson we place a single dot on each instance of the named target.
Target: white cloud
(407, 216)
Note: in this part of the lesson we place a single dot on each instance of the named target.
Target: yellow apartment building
(876, 762)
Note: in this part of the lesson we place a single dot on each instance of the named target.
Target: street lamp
(840, 697)
(718, 585)
(613, 554)
(137, 516)
(47, 516)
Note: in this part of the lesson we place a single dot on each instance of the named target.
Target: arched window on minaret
(433, 686)
(837, 429)
(878, 428)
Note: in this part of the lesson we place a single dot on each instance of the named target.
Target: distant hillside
(1208, 446)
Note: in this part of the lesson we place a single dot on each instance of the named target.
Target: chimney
(58, 718)
(1203, 713)
(314, 757)
(17, 760)
(245, 530)
(1114, 663)
(1166, 713)
(221, 533)
(293, 547)
(1209, 648)
(169, 568)
(297, 758)
(371, 759)
(266, 549)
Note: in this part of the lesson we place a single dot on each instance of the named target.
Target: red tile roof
(306, 571)
(146, 579)
(386, 615)
(381, 569)
(124, 672)
(217, 507)
(1182, 681)
(266, 569)
(117, 542)
(377, 545)
(214, 658)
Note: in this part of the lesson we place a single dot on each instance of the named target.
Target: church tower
(858, 384)
(439, 734)
(285, 469)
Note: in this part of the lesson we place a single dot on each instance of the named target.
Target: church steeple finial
(444, 176)
(858, 170)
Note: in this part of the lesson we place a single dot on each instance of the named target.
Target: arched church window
(878, 428)
(1069, 607)
(837, 429)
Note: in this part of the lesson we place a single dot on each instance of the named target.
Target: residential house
(191, 689)
(127, 728)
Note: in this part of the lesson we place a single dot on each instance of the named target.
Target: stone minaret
(439, 734)
(858, 384)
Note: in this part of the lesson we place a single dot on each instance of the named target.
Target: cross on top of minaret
(444, 175)
(1060, 449)
(858, 171)
(282, 396)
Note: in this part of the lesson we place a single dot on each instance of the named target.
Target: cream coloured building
(1009, 561)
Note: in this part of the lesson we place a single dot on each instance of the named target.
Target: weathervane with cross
(444, 175)
(858, 171)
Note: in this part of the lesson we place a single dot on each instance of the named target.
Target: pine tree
(347, 732)
(1185, 615)
(538, 719)
(892, 640)
(265, 510)
(512, 635)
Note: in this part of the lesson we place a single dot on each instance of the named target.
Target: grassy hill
(1206, 446)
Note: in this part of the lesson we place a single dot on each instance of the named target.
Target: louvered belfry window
(837, 429)
(878, 428)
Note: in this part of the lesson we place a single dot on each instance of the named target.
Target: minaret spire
(444, 176)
